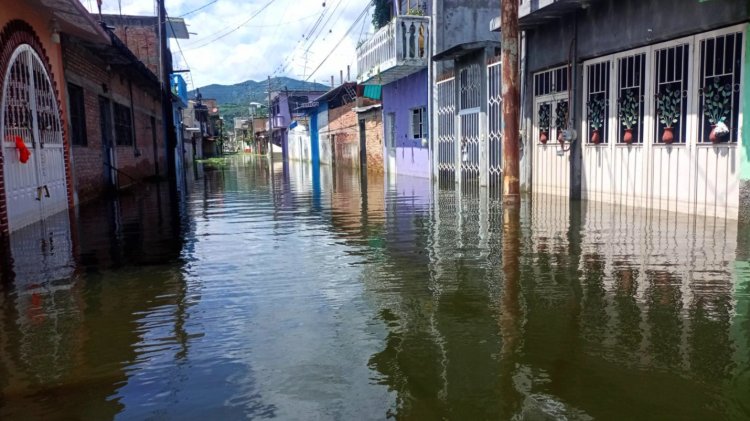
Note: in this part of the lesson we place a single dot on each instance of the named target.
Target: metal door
(390, 142)
(470, 126)
(37, 188)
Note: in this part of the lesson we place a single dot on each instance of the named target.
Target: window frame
(552, 97)
(77, 115)
(124, 130)
(422, 123)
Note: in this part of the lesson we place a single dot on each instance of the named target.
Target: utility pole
(270, 122)
(511, 101)
(166, 97)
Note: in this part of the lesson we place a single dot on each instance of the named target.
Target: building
(29, 41)
(644, 98)
(398, 58)
(370, 133)
(285, 109)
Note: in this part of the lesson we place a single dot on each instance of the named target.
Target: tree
(382, 14)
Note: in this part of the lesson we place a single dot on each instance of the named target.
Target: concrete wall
(400, 98)
(299, 144)
(460, 21)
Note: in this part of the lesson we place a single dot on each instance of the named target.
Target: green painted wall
(745, 149)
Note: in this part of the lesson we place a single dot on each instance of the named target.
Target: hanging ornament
(23, 151)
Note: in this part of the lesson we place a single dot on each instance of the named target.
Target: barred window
(720, 67)
(77, 113)
(671, 93)
(418, 123)
(597, 102)
(630, 105)
(123, 125)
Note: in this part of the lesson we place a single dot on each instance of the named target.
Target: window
(418, 123)
(719, 102)
(77, 113)
(123, 125)
(551, 114)
(631, 80)
(597, 102)
(671, 93)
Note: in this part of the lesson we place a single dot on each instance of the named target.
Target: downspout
(431, 93)
(136, 153)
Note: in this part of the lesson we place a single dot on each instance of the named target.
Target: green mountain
(233, 100)
(252, 91)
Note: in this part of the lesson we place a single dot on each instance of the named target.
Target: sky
(231, 45)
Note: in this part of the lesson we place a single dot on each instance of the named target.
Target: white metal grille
(470, 79)
(446, 130)
(470, 146)
(597, 102)
(721, 63)
(631, 75)
(671, 80)
(494, 134)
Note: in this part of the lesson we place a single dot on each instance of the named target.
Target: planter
(628, 137)
(718, 136)
(543, 137)
(668, 135)
(560, 136)
(595, 139)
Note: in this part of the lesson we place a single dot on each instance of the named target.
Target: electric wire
(361, 15)
(231, 31)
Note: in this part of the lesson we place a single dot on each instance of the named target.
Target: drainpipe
(136, 153)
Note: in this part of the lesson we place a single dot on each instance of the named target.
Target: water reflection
(287, 291)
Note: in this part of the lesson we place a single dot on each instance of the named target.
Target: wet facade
(404, 300)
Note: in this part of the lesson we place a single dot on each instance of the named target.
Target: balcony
(394, 51)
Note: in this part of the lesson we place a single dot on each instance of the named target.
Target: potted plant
(561, 119)
(628, 115)
(716, 99)
(544, 123)
(595, 108)
(668, 106)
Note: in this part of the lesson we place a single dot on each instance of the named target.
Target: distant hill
(252, 91)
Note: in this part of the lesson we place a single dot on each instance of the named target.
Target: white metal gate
(470, 126)
(37, 188)
(495, 129)
(446, 132)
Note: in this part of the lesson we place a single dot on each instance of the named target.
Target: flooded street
(300, 293)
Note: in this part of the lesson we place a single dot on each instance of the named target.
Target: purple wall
(400, 97)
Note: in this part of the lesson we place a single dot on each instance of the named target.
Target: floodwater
(273, 292)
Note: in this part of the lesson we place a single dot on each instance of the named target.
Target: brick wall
(343, 124)
(140, 34)
(88, 71)
(374, 139)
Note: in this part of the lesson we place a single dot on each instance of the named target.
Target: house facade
(399, 57)
(28, 43)
(654, 106)
(285, 109)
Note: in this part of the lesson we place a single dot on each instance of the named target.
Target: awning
(464, 49)
(366, 108)
(373, 91)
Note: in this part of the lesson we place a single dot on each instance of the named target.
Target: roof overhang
(71, 18)
(460, 50)
(536, 13)
(366, 108)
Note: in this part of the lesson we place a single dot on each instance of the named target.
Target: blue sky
(271, 43)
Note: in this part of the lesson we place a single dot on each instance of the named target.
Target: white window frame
(552, 99)
(421, 112)
(692, 137)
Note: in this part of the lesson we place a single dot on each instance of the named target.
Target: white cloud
(220, 52)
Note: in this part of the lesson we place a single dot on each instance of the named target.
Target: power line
(179, 47)
(259, 11)
(361, 15)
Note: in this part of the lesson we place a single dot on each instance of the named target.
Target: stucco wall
(373, 140)
(342, 126)
(400, 98)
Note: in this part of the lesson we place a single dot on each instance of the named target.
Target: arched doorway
(37, 188)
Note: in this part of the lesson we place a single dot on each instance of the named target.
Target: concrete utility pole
(511, 100)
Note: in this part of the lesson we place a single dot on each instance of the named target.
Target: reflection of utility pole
(270, 122)
(511, 100)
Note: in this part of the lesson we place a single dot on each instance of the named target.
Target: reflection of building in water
(613, 300)
(66, 317)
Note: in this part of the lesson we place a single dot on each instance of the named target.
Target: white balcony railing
(394, 51)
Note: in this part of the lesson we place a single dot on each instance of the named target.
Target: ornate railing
(403, 42)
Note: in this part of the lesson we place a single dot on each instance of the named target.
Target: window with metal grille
(551, 81)
(470, 80)
(597, 102)
(631, 80)
(77, 113)
(719, 102)
(418, 123)
(671, 92)
(123, 125)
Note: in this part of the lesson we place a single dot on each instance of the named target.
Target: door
(390, 143)
(362, 145)
(37, 187)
